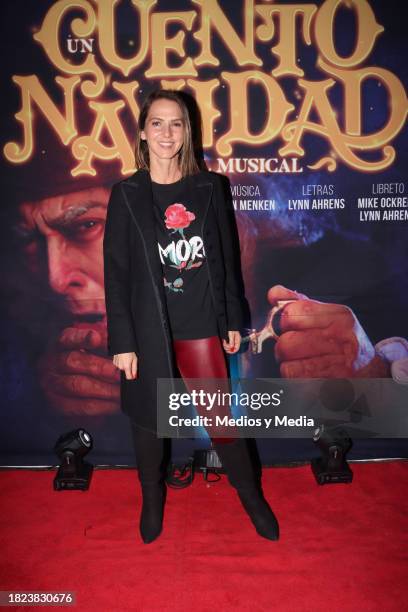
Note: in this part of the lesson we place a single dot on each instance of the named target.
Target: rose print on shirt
(184, 252)
(178, 218)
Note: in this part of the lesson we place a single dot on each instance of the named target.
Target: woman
(173, 296)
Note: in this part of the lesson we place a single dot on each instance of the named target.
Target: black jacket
(135, 298)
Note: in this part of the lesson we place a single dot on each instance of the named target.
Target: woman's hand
(128, 363)
(234, 342)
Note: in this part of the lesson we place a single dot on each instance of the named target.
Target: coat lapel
(202, 189)
(139, 198)
(140, 202)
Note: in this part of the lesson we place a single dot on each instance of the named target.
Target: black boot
(150, 458)
(238, 465)
(151, 517)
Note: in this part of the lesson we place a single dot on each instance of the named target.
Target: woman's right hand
(128, 363)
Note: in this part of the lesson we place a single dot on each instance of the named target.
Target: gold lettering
(86, 148)
(213, 16)
(127, 91)
(316, 94)
(276, 110)
(48, 37)
(286, 48)
(204, 94)
(64, 126)
(178, 84)
(162, 45)
(367, 27)
(170, 64)
(343, 144)
(106, 27)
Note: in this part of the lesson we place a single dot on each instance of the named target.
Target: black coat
(137, 316)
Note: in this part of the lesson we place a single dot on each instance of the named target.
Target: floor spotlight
(332, 467)
(74, 472)
(207, 461)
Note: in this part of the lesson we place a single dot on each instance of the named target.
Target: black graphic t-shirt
(181, 251)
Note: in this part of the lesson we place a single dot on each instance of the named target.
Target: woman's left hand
(232, 346)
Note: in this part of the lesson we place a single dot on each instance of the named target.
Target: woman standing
(173, 296)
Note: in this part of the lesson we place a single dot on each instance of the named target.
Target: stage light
(332, 467)
(208, 462)
(74, 472)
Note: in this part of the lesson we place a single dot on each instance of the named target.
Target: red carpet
(342, 547)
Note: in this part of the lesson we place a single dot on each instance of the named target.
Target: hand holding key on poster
(322, 340)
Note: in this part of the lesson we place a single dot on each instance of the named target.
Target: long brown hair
(186, 157)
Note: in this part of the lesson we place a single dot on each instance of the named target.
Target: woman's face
(164, 129)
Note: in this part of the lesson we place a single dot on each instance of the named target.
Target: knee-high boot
(236, 461)
(149, 451)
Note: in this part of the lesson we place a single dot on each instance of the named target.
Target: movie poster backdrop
(302, 106)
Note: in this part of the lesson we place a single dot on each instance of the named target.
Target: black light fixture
(332, 467)
(207, 461)
(74, 472)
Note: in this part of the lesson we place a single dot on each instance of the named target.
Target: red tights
(203, 358)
